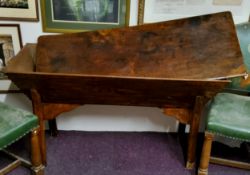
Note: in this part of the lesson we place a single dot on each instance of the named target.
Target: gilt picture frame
(63, 16)
(141, 6)
(21, 10)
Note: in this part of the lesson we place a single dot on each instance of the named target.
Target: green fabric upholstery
(243, 34)
(14, 123)
(229, 115)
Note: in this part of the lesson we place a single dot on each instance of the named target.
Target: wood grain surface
(198, 48)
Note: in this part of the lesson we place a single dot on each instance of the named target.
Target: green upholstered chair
(228, 113)
(14, 124)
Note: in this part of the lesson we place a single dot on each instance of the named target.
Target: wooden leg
(37, 166)
(42, 142)
(193, 134)
(183, 139)
(184, 116)
(205, 155)
(53, 127)
(38, 110)
(10, 167)
(181, 129)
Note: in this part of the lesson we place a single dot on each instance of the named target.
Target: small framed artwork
(10, 44)
(164, 10)
(64, 16)
(21, 10)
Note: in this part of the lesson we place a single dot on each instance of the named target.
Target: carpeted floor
(115, 153)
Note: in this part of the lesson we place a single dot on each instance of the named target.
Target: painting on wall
(81, 15)
(10, 44)
(6, 49)
(14, 4)
(150, 11)
(19, 10)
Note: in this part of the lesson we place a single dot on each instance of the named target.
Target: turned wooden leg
(37, 166)
(193, 134)
(38, 109)
(205, 155)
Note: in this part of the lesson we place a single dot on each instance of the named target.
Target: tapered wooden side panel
(114, 90)
(192, 48)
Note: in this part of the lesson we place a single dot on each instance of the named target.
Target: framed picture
(163, 10)
(10, 44)
(19, 10)
(83, 15)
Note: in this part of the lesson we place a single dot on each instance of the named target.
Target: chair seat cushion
(229, 115)
(14, 123)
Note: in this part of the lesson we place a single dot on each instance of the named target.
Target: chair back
(243, 33)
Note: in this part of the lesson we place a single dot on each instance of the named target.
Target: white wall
(98, 117)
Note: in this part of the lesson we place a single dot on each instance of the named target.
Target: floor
(115, 153)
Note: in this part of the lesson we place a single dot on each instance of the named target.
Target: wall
(98, 117)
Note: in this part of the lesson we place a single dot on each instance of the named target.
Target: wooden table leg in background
(53, 127)
(38, 110)
(184, 116)
(194, 129)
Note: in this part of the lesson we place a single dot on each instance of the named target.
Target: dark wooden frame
(18, 30)
(4, 91)
(32, 19)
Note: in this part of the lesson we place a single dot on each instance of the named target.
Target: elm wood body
(172, 64)
(200, 47)
(80, 89)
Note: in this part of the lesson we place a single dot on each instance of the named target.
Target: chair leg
(10, 167)
(205, 155)
(36, 160)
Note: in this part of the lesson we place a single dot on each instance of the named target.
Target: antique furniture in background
(176, 65)
(14, 124)
(228, 114)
